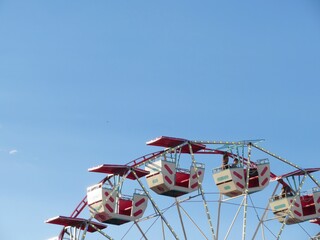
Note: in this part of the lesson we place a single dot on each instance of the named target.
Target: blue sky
(89, 82)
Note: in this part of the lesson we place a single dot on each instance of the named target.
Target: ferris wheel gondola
(106, 201)
(232, 181)
(166, 177)
(293, 206)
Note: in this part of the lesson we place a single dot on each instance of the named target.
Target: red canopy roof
(296, 173)
(75, 222)
(170, 142)
(119, 170)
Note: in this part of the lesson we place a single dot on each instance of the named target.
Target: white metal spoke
(202, 193)
(155, 205)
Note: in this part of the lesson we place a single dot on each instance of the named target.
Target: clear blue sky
(89, 82)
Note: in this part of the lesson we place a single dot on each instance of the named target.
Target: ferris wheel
(175, 195)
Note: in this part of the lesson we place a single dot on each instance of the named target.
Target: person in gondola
(235, 163)
(286, 191)
(225, 161)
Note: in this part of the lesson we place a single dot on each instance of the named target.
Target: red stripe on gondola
(297, 213)
(237, 175)
(264, 181)
(137, 213)
(168, 168)
(168, 179)
(111, 198)
(194, 185)
(195, 175)
(142, 200)
(264, 171)
(239, 185)
(109, 207)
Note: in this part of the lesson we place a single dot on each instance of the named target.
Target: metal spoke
(155, 205)
(202, 192)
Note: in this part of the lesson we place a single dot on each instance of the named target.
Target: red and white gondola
(295, 207)
(165, 177)
(108, 205)
(232, 181)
